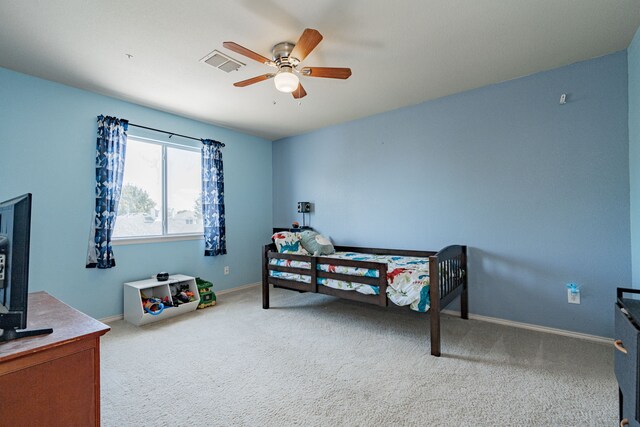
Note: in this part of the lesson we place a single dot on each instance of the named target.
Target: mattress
(407, 277)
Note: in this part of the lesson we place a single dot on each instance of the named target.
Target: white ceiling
(401, 52)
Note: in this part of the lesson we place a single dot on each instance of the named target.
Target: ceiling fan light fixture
(286, 58)
(286, 81)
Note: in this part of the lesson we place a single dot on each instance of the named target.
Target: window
(184, 191)
(161, 191)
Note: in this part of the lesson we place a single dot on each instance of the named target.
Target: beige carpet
(315, 360)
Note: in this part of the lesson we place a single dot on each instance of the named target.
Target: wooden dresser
(627, 361)
(52, 380)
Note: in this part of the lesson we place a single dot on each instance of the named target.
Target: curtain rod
(168, 133)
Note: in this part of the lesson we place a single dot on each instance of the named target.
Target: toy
(152, 306)
(167, 302)
(207, 296)
(182, 294)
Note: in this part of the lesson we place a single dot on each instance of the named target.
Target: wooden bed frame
(447, 276)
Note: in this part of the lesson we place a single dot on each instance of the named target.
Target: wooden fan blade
(327, 72)
(253, 80)
(299, 92)
(246, 52)
(307, 42)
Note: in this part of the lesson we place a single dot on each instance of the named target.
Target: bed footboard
(447, 280)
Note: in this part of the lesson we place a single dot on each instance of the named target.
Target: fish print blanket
(407, 277)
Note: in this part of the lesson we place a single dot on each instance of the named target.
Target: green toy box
(207, 296)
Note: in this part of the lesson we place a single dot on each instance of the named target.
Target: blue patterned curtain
(110, 152)
(215, 242)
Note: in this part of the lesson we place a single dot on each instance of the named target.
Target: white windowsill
(155, 239)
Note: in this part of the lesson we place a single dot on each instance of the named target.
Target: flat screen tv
(15, 233)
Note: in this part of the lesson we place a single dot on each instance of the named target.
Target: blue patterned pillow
(289, 243)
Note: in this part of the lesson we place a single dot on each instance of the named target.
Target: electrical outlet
(226, 270)
(573, 296)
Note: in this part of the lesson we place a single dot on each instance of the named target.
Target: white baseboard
(117, 317)
(112, 319)
(238, 288)
(531, 327)
(521, 325)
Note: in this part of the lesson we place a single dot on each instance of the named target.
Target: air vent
(221, 61)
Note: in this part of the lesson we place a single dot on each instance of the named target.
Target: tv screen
(15, 234)
(15, 230)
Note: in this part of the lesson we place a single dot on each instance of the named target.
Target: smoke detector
(222, 62)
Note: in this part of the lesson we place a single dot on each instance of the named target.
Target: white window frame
(165, 236)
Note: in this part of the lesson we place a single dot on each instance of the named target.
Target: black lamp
(304, 208)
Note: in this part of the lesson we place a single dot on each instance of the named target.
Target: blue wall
(538, 191)
(633, 58)
(47, 147)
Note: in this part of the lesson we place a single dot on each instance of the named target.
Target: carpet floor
(316, 360)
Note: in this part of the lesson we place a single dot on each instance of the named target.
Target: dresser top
(44, 311)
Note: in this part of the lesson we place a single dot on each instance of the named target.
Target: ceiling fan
(286, 59)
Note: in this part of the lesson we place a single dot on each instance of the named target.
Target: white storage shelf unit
(133, 310)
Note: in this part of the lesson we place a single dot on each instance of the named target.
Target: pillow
(289, 243)
(316, 243)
